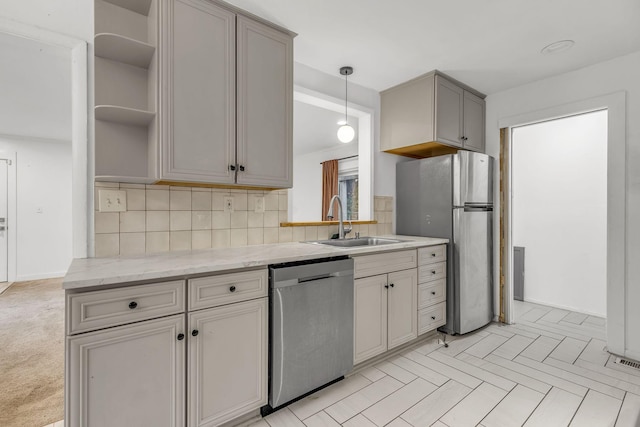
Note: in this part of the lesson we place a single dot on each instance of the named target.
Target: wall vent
(629, 363)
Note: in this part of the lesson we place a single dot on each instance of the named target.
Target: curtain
(329, 185)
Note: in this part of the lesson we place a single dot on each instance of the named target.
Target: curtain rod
(342, 158)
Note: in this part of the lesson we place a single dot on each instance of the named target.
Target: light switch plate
(112, 200)
(228, 204)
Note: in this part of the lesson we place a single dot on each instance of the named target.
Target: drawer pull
(392, 285)
(433, 255)
(194, 333)
(433, 317)
(133, 305)
(433, 292)
(180, 337)
(232, 288)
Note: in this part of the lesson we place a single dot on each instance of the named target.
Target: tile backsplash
(161, 218)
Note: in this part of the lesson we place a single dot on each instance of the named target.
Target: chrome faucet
(341, 230)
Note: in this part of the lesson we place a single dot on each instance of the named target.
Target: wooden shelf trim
(124, 49)
(314, 223)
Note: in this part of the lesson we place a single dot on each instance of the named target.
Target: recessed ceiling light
(557, 47)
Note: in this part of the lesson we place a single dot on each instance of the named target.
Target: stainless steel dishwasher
(311, 326)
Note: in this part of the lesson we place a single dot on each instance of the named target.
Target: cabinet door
(265, 105)
(227, 362)
(473, 122)
(199, 76)
(131, 375)
(402, 307)
(449, 99)
(370, 317)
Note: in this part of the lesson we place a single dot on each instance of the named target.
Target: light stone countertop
(92, 272)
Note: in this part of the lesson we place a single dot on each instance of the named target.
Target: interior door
(4, 233)
(473, 258)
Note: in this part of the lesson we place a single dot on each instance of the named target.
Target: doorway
(559, 213)
(615, 104)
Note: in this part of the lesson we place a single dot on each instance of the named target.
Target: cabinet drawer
(371, 265)
(212, 291)
(101, 309)
(429, 273)
(432, 293)
(432, 254)
(432, 317)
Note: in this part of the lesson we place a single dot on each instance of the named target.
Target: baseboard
(30, 277)
(562, 307)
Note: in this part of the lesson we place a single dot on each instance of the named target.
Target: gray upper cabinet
(199, 110)
(449, 112)
(265, 102)
(431, 115)
(227, 82)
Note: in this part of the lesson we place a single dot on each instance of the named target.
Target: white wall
(305, 198)
(559, 178)
(43, 184)
(36, 125)
(593, 81)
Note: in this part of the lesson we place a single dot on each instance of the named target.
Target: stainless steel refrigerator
(452, 197)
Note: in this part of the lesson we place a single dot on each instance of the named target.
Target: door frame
(615, 104)
(12, 215)
(81, 143)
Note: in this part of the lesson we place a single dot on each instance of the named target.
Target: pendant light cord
(346, 76)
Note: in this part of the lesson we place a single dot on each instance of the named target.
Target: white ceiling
(491, 45)
(315, 128)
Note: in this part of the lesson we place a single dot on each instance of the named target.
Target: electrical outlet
(259, 204)
(228, 204)
(112, 200)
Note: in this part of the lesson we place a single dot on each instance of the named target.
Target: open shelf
(124, 49)
(138, 6)
(123, 115)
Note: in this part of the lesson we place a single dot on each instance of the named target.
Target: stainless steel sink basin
(360, 241)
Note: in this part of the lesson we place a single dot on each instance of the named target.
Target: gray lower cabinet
(431, 115)
(227, 362)
(227, 114)
(168, 353)
(130, 375)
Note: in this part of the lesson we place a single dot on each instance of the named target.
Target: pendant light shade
(346, 132)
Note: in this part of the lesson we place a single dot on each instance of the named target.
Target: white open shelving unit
(126, 80)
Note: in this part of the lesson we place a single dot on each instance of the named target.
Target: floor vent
(629, 363)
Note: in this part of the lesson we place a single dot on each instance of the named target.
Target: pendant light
(346, 132)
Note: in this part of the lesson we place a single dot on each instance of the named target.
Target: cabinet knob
(392, 285)
(386, 286)
(180, 337)
(433, 317)
(194, 333)
(232, 167)
(433, 292)
(241, 168)
(133, 305)
(433, 272)
(232, 288)
(433, 255)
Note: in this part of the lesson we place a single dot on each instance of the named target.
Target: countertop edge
(96, 272)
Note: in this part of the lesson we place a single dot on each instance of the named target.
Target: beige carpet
(32, 353)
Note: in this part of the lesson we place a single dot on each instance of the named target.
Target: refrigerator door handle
(478, 208)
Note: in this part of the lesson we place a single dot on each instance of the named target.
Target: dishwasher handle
(319, 277)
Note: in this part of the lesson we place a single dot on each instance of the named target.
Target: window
(348, 187)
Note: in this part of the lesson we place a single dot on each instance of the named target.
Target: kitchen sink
(360, 241)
